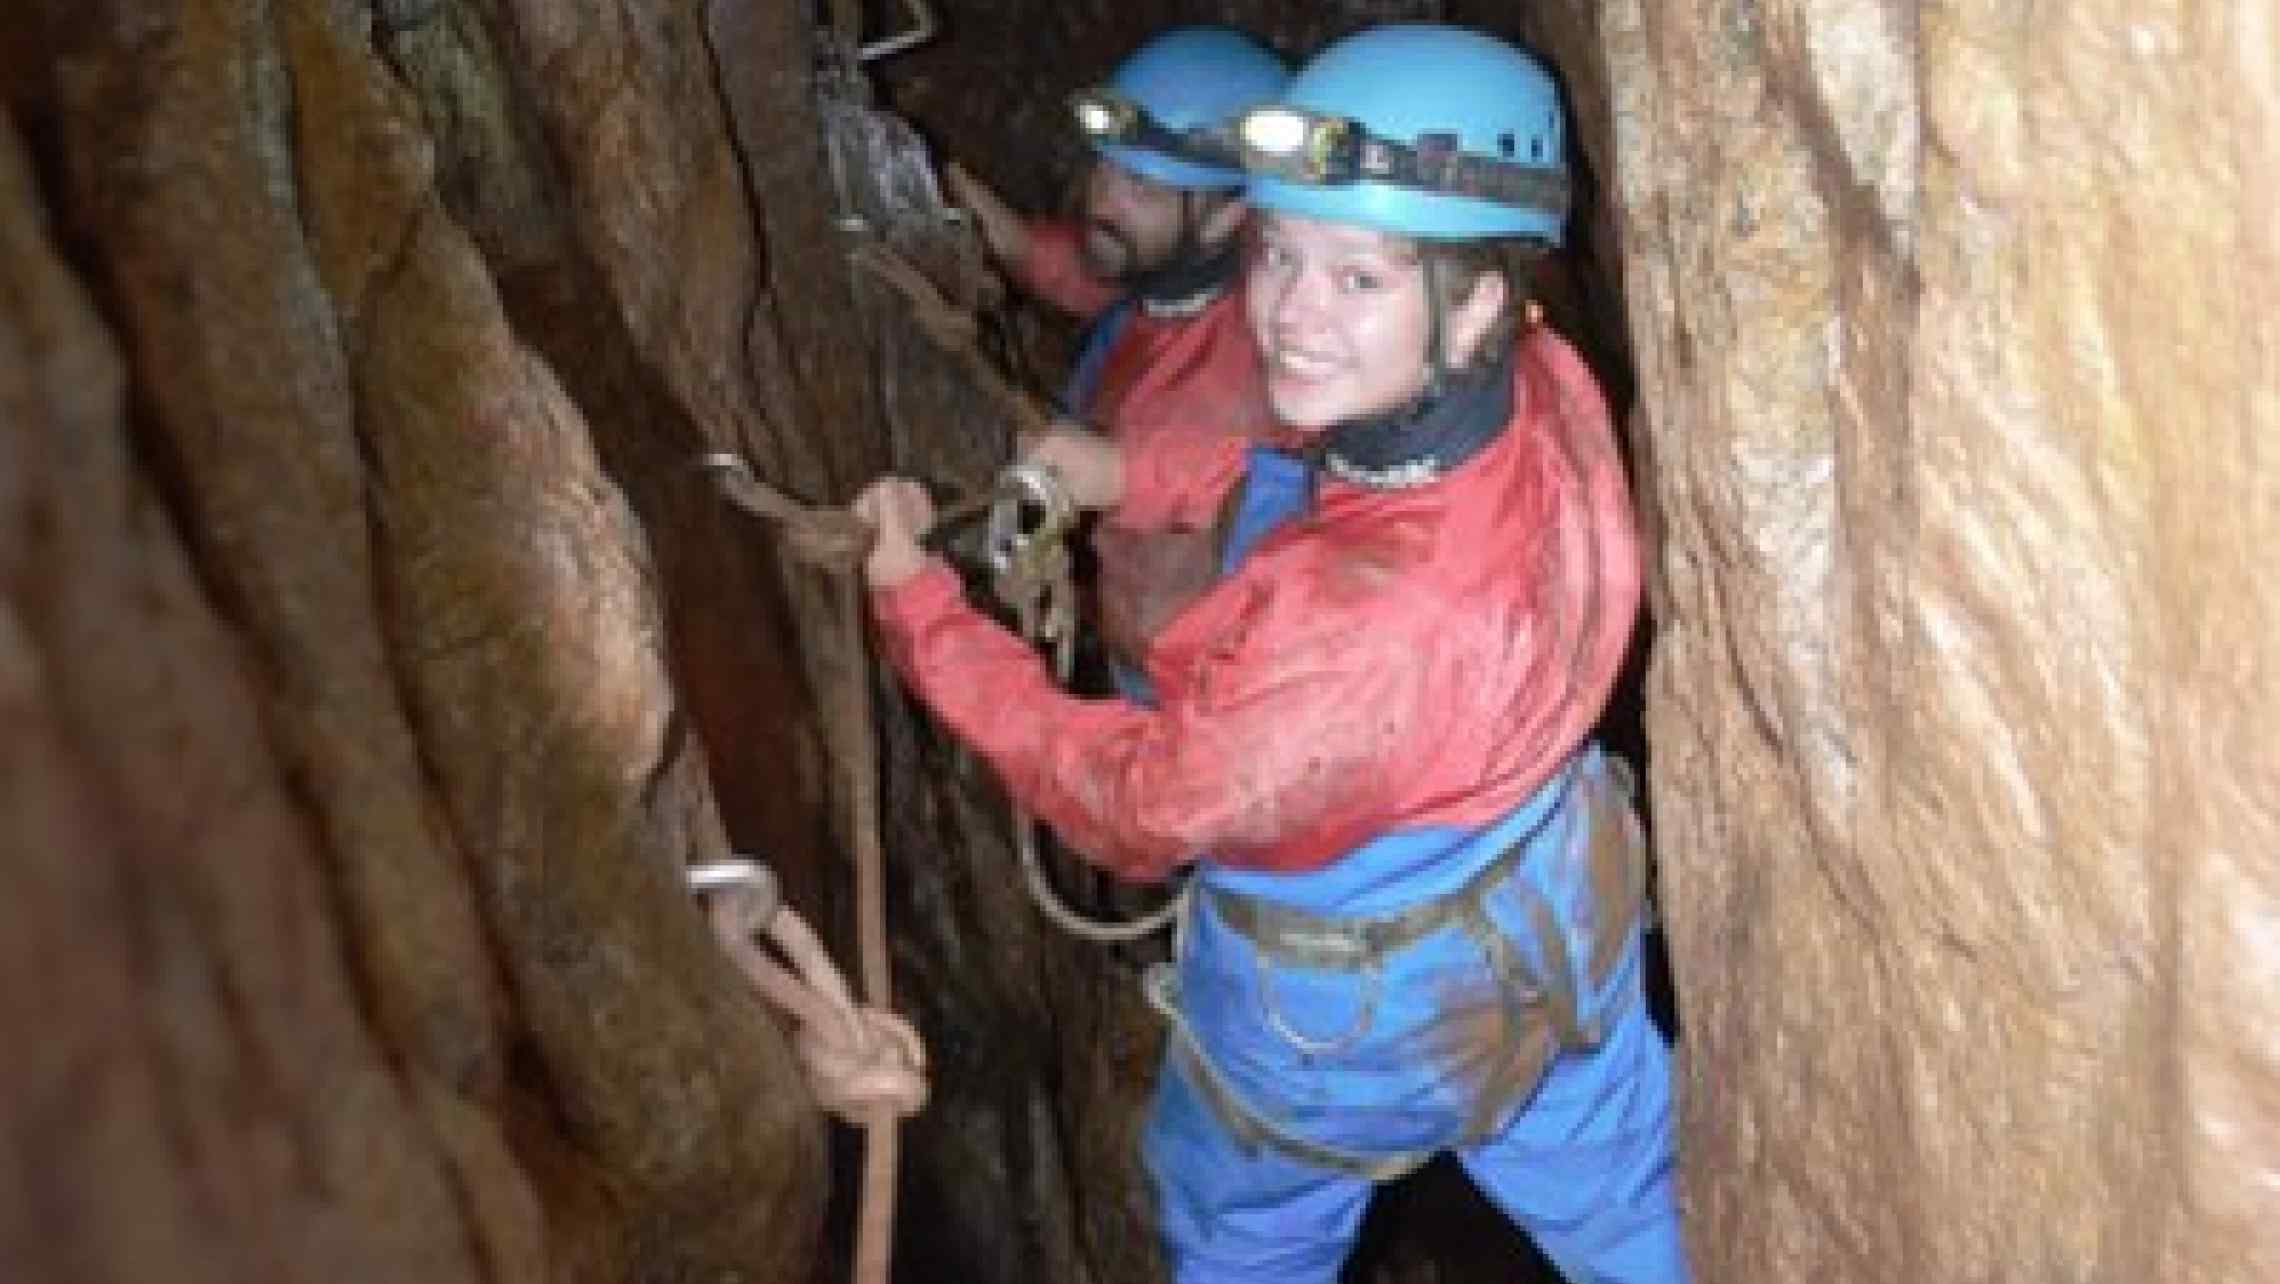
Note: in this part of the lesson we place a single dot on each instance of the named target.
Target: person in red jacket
(1413, 926)
(1150, 263)
(1151, 257)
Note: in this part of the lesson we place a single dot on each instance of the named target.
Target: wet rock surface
(1955, 345)
(353, 792)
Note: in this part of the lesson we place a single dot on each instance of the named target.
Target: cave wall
(1959, 384)
(348, 788)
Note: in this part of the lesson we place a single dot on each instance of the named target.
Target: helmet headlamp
(1324, 150)
(1108, 118)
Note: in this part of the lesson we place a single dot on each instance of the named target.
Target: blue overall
(1364, 1063)
(1092, 356)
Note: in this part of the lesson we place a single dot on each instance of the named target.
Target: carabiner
(1014, 544)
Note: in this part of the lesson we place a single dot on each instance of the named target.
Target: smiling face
(1340, 313)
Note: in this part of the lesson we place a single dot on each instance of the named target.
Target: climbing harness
(1543, 1001)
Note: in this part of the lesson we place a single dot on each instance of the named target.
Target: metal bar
(923, 28)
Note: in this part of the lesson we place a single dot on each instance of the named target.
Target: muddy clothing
(1296, 1079)
(1380, 708)
(1396, 658)
(1585, 1168)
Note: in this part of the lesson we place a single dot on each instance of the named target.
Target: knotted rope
(859, 1059)
(865, 1064)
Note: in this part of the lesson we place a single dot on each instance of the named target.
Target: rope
(955, 331)
(1031, 577)
(865, 1064)
(862, 1059)
(1031, 571)
(1026, 829)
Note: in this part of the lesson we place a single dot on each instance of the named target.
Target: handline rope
(865, 1064)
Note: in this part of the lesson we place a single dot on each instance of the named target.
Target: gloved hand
(1003, 231)
(1146, 578)
(900, 512)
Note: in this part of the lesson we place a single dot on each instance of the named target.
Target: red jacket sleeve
(1177, 478)
(1292, 729)
(1054, 271)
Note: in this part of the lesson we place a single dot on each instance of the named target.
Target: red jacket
(1198, 374)
(1398, 658)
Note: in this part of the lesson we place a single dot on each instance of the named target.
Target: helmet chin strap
(1436, 335)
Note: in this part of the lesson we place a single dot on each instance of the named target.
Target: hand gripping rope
(865, 1064)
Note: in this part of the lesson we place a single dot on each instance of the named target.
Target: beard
(1108, 253)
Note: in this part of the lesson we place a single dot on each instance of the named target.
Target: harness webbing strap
(1251, 1127)
(1302, 938)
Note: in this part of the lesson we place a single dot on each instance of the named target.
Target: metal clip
(1016, 545)
(748, 888)
(1026, 548)
(711, 876)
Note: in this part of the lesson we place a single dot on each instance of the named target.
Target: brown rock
(198, 1091)
(1955, 346)
(402, 981)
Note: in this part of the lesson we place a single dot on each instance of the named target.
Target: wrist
(1106, 486)
(890, 569)
(1098, 480)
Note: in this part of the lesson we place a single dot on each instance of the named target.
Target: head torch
(1322, 150)
(1106, 117)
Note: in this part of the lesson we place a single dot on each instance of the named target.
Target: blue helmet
(1462, 133)
(1191, 79)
